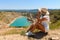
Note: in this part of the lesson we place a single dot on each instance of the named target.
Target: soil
(52, 35)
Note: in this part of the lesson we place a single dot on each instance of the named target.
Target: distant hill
(6, 16)
(31, 10)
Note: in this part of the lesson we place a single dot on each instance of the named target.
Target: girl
(42, 22)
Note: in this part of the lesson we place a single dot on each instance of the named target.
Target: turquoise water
(21, 21)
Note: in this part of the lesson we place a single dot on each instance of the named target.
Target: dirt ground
(52, 35)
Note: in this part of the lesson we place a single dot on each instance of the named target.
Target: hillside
(7, 33)
(53, 35)
(7, 17)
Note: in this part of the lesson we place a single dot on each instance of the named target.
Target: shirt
(46, 16)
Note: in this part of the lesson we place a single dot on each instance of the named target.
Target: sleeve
(47, 17)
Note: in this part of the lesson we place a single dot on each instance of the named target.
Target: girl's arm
(38, 16)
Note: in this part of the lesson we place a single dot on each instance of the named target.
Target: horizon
(25, 9)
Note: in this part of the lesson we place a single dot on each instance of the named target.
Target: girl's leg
(40, 27)
(32, 28)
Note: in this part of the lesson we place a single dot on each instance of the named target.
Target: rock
(53, 38)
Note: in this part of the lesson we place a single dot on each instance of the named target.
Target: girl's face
(43, 14)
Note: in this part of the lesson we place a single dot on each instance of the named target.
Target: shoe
(29, 33)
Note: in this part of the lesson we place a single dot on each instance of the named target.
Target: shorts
(46, 26)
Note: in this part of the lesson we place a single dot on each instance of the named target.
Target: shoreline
(14, 20)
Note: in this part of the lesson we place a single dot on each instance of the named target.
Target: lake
(21, 21)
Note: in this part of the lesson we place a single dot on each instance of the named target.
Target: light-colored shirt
(46, 16)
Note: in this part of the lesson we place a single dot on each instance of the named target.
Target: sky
(29, 4)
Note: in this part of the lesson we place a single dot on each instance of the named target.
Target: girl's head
(43, 11)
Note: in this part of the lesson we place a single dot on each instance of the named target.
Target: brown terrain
(52, 35)
(7, 33)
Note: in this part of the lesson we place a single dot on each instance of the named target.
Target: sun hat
(44, 10)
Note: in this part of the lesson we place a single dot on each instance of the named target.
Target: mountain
(31, 10)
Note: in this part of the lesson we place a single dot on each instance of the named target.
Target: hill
(6, 16)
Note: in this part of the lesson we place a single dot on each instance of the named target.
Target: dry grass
(9, 31)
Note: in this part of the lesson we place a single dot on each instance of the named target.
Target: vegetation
(7, 16)
(55, 19)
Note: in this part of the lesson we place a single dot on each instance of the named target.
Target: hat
(43, 9)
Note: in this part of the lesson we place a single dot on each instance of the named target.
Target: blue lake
(21, 21)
